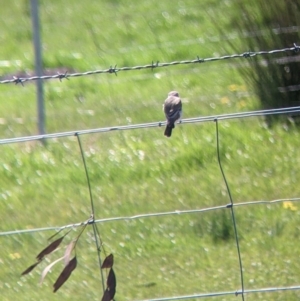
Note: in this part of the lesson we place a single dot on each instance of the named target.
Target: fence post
(38, 65)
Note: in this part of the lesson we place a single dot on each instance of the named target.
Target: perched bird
(173, 111)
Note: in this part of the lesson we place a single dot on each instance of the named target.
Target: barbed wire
(152, 66)
(200, 119)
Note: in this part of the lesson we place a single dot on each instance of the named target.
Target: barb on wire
(232, 211)
(17, 80)
(297, 48)
(154, 65)
(200, 60)
(115, 70)
(247, 54)
(62, 76)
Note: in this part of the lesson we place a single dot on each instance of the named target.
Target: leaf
(68, 251)
(108, 294)
(28, 270)
(112, 292)
(65, 274)
(50, 248)
(111, 280)
(108, 262)
(48, 268)
(111, 286)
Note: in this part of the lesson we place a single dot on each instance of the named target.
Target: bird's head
(173, 93)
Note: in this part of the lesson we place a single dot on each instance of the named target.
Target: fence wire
(232, 206)
(115, 70)
(200, 119)
(148, 215)
(231, 209)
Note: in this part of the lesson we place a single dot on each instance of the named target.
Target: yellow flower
(289, 205)
(241, 104)
(243, 88)
(14, 256)
(233, 88)
(225, 100)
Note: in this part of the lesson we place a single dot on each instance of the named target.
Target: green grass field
(140, 171)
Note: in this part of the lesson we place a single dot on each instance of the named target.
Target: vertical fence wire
(232, 211)
(98, 241)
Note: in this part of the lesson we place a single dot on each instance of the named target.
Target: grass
(139, 171)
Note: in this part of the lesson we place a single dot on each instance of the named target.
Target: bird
(173, 111)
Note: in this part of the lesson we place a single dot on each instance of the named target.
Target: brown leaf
(27, 271)
(48, 268)
(108, 294)
(65, 274)
(111, 280)
(108, 262)
(50, 248)
(112, 292)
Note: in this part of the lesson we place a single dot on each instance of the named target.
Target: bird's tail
(168, 130)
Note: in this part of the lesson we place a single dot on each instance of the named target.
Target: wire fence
(148, 215)
(242, 292)
(201, 119)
